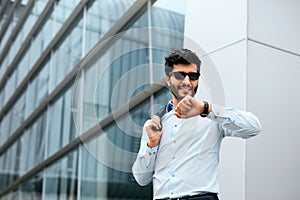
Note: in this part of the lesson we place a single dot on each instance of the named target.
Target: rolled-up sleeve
(235, 123)
(143, 167)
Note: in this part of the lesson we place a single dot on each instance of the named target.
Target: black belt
(207, 196)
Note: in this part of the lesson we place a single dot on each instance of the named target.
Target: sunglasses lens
(179, 75)
(193, 76)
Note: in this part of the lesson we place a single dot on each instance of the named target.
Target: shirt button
(173, 157)
(175, 125)
(174, 141)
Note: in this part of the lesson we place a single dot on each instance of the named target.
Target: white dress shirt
(186, 160)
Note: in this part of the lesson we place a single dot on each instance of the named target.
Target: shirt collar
(170, 106)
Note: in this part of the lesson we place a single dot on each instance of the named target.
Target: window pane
(107, 160)
(17, 14)
(28, 24)
(18, 113)
(23, 67)
(40, 42)
(61, 12)
(174, 12)
(7, 33)
(61, 124)
(33, 144)
(37, 90)
(100, 17)
(36, 11)
(61, 178)
(111, 82)
(10, 87)
(14, 194)
(32, 188)
(10, 165)
(66, 56)
(6, 125)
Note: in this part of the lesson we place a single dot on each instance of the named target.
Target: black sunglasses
(193, 76)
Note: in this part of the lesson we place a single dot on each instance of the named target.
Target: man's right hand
(153, 128)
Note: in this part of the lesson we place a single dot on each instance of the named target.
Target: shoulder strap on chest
(161, 112)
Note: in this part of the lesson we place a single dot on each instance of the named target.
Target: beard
(179, 94)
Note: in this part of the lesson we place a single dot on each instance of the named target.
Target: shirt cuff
(152, 150)
(218, 114)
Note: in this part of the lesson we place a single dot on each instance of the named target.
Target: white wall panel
(216, 23)
(273, 160)
(230, 64)
(275, 23)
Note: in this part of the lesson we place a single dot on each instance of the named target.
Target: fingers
(154, 123)
(184, 106)
(154, 131)
(187, 107)
(180, 115)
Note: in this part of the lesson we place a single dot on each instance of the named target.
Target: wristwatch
(205, 111)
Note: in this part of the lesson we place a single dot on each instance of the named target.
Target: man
(179, 150)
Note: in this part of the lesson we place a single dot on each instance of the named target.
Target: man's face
(186, 86)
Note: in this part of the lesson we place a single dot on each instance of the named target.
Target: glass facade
(72, 93)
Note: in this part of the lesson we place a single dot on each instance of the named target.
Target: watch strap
(205, 111)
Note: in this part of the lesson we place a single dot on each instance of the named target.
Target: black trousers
(208, 196)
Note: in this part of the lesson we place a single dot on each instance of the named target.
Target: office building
(66, 66)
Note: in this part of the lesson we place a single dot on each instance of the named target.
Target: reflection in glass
(17, 14)
(61, 12)
(36, 11)
(37, 90)
(26, 28)
(3, 67)
(12, 120)
(7, 34)
(33, 144)
(93, 177)
(112, 81)
(10, 87)
(10, 165)
(13, 194)
(66, 56)
(18, 113)
(23, 67)
(100, 17)
(5, 129)
(169, 7)
(61, 178)
(32, 188)
(61, 124)
(107, 160)
(40, 42)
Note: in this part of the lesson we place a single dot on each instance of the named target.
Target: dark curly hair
(181, 56)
